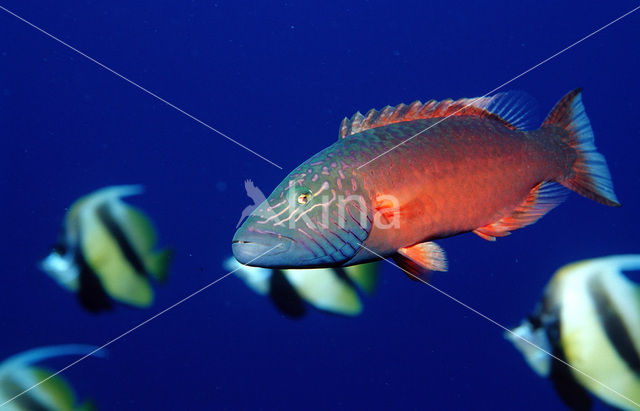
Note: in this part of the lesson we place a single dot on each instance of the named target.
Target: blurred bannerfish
(327, 289)
(399, 178)
(106, 251)
(18, 374)
(589, 317)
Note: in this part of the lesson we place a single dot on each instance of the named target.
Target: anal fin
(418, 260)
(480, 232)
(541, 199)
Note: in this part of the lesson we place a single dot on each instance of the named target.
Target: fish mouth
(260, 249)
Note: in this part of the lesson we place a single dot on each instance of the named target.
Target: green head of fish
(318, 216)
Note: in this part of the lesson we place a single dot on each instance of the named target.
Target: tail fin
(158, 264)
(364, 276)
(590, 175)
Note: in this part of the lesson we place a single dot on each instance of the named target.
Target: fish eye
(304, 197)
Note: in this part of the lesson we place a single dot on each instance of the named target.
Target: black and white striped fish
(25, 386)
(589, 317)
(333, 290)
(106, 252)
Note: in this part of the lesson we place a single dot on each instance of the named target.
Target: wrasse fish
(327, 289)
(589, 317)
(399, 178)
(106, 252)
(19, 373)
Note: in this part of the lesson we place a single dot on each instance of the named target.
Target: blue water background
(279, 77)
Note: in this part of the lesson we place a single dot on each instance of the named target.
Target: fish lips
(262, 249)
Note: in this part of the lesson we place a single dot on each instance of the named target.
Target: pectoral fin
(390, 212)
(420, 259)
(387, 210)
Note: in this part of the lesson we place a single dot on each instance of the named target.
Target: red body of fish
(422, 172)
(474, 173)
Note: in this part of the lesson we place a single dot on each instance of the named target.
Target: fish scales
(458, 175)
(406, 175)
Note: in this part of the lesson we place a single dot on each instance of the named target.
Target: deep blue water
(279, 77)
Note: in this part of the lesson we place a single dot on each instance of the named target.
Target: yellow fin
(17, 374)
(137, 226)
(57, 389)
(364, 276)
(325, 290)
(52, 394)
(56, 393)
(158, 264)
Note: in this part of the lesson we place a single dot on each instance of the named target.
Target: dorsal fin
(514, 109)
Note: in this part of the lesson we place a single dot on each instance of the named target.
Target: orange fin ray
(541, 199)
(514, 109)
(420, 259)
